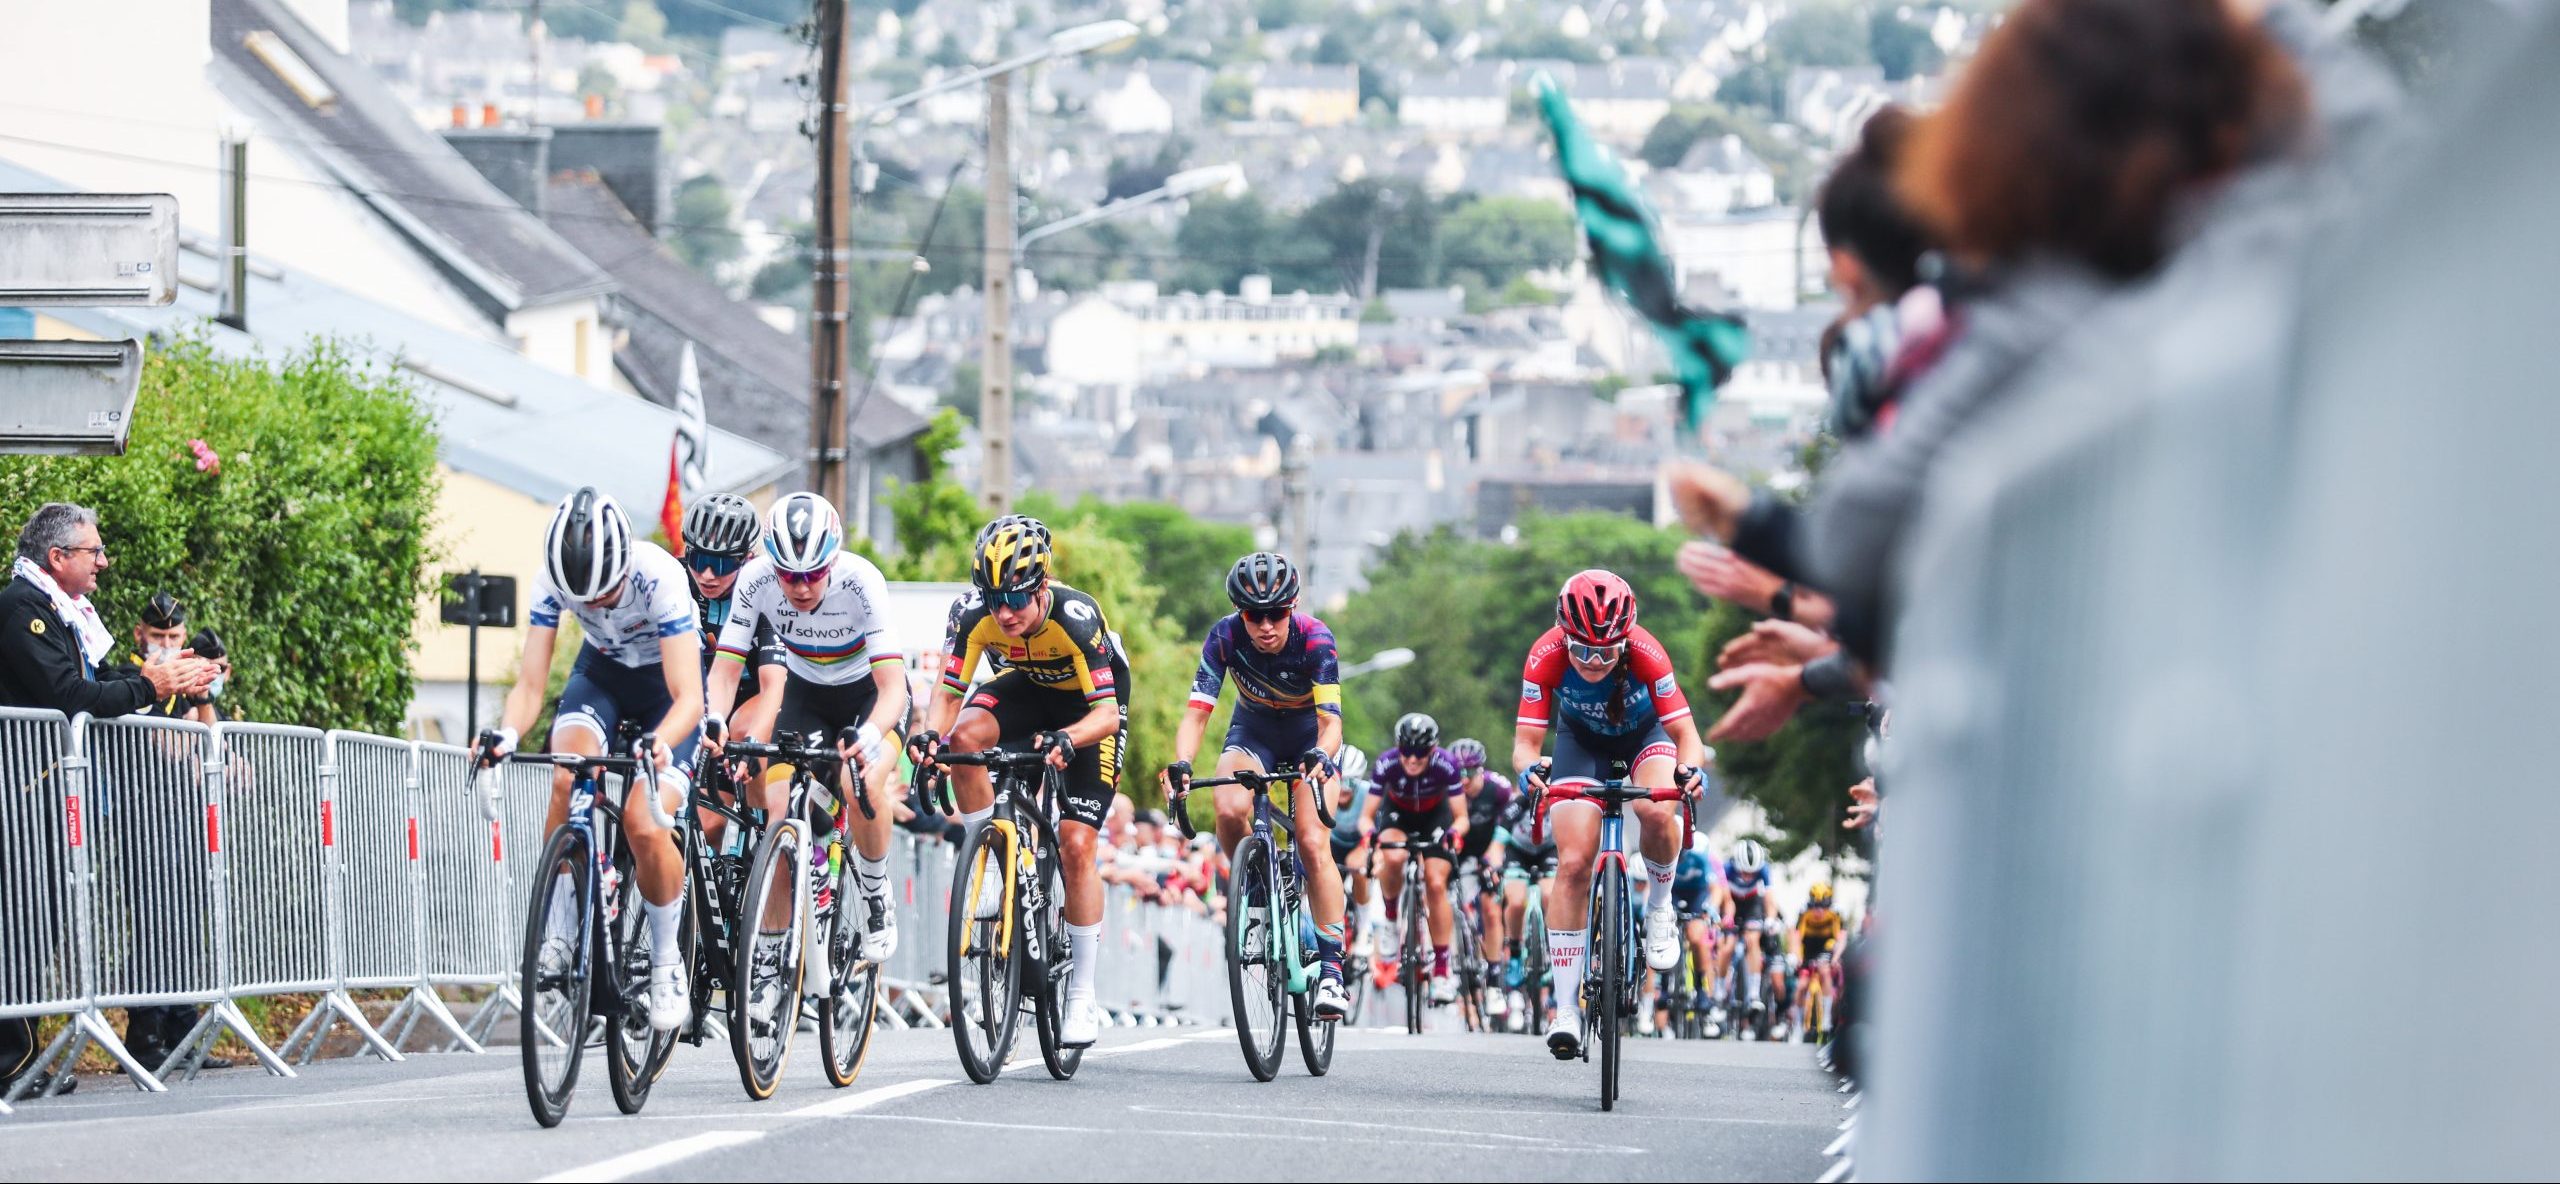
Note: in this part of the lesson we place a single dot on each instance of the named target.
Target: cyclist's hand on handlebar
(649, 752)
(715, 734)
(923, 747)
(1177, 780)
(494, 745)
(862, 746)
(1316, 764)
(1691, 779)
(1535, 776)
(1059, 748)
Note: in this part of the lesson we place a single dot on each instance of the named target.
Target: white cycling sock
(561, 921)
(1658, 893)
(664, 921)
(1084, 950)
(872, 875)
(969, 818)
(1564, 956)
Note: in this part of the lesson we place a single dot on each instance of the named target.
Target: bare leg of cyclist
(974, 731)
(1235, 802)
(1390, 867)
(1324, 884)
(1443, 921)
(1083, 879)
(870, 843)
(1576, 829)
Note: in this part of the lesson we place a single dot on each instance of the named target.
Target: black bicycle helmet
(1262, 582)
(721, 524)
(1417, 734)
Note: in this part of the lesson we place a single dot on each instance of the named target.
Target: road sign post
(472, 600)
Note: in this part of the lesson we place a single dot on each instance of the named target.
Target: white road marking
(1159, 1042)
(851, 1103)
(1840, 1144)
(1839, 1171)
(1152, 1132)
(650, 1159)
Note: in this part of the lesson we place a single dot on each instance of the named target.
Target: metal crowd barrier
(151, 863)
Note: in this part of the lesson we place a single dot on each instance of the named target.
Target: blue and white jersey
(656, 604)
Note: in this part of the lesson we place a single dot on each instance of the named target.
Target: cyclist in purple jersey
(1488, 797)
(1413, 797)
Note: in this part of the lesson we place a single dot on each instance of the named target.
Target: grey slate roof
(763, 390)
(501, 255)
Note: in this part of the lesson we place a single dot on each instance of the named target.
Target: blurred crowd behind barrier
(2222, 687)
(149, 862)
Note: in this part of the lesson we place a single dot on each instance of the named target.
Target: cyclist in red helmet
(1604, 687)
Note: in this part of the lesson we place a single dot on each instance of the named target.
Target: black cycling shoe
(1565, 1045)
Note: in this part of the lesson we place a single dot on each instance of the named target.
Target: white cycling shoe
(880, 939)
(1661, 939)
(1332, 1002)
(670, 997)
(1082, 1025)
(1495, 1004)
(1444, 988)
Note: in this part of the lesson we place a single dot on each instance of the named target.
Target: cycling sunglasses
(706, 563)
(1268, 616)
(1595, 654)
(803, 577)
(1014, 601)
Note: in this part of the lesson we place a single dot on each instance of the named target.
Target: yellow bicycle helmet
(1011, 555)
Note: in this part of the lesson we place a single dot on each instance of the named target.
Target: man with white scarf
(54, 654)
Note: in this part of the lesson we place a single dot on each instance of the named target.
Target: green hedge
(305, 547)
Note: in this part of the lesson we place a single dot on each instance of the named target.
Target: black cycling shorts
(1416, 824)
(825, 708)
(1582, 757)
(1023, 709)
(1747, 910)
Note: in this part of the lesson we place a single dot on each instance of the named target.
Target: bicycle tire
(635, 1053)
(973, 961)
(850, 1013)
(1048, 1002)
(1411, 973)
(783, 850)
(1609, 931)
(558, 1030)
(1315, 1037)
(1256, 865)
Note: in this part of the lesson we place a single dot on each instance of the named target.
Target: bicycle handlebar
(1260, 783)
(627, 766)
(812, 754)
(930, 773)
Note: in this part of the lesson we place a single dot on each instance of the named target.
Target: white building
(1473, 100)
(1133, 108)
(1130, 332)
(1753, 259)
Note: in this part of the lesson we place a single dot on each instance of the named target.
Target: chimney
(595, 107)
(461, 114)
(235, 230)
(488, 115)
(625, 156)
(515, 159)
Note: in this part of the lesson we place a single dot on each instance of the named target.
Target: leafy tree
(1186, 557)
(642, 25)
(702, 236)
(1333, 49)
(1801, 775)
(1227, 97)
(1902, 47)
(1545, 41)
(1821, 35)
(1128, 177)
(1758, 84)
(1374, 89)
(935, 517)
(1498, 238)
(305, 546)
(968, 385)
(1406, 225)
(1222, 239)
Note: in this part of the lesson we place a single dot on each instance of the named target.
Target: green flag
(1627, 253)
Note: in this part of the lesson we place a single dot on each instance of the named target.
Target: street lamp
(1069, 42)
(1227, 178)
(1382, 660)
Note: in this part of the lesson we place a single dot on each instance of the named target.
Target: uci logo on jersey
(1532, 692)
(1663, 686)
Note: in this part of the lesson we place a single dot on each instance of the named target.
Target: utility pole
(533, 33)
(829, 294)
(1387, 205)
(995, 365)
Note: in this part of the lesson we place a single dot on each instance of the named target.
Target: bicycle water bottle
(612, 881)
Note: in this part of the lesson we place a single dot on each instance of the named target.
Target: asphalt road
(1170, 1103)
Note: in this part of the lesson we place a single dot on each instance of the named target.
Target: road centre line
(1559, 1149)
(650, 1159)
(852, 1103)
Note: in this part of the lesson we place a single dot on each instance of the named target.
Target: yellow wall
(480, 523)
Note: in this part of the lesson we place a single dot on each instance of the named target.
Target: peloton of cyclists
(1411, 801)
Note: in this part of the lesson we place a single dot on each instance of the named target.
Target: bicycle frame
(1269, 824)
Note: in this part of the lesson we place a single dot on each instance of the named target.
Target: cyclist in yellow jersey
(1060, 688)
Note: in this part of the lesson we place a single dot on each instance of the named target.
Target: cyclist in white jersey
(641, 661)
(843, 669)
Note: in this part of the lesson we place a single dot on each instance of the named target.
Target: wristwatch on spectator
(1782, 603)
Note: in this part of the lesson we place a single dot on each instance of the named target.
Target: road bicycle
(1818, 987)
(1414, 937)
(1011, 952)
(587, 946)
(1271, 968)
(768, 968)
(1476, 982)
(1535, 974)
(1616, 952)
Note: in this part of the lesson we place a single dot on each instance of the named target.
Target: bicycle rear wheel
(635, 1053)
(984, 973)
(846, 1019)
(1609, 923)
(765, 1009)
(1257, 970)
(551, 1026)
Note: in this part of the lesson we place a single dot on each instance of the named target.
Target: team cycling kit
(1750, 895)
(1521, 857)
(1485, 811)
(1046, 682)
(1278, 695)
(1416, 803)
(762, 652)
(1602, 730)
(828, 652)
(620, 673)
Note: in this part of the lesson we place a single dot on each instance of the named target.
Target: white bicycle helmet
(587, 551)
(802, 533)
(1749, 856)
(1353, 763)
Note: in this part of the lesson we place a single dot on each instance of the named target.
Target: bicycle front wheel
(846, 1019)
(1413, 974)
(551, 1025)
(771, 958)
(1609, 923)
(1315, 1037)
(985, 976)
(1049, 973)
(635, 1053)
(1257, 970)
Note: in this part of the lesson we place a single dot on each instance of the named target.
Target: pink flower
(207, 460)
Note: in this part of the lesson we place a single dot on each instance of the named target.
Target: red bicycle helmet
(1596, 608)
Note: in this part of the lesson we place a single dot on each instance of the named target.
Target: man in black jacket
(54, 654)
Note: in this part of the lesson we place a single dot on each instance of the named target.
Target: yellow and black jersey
(1818, 929)
(1071, 651)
